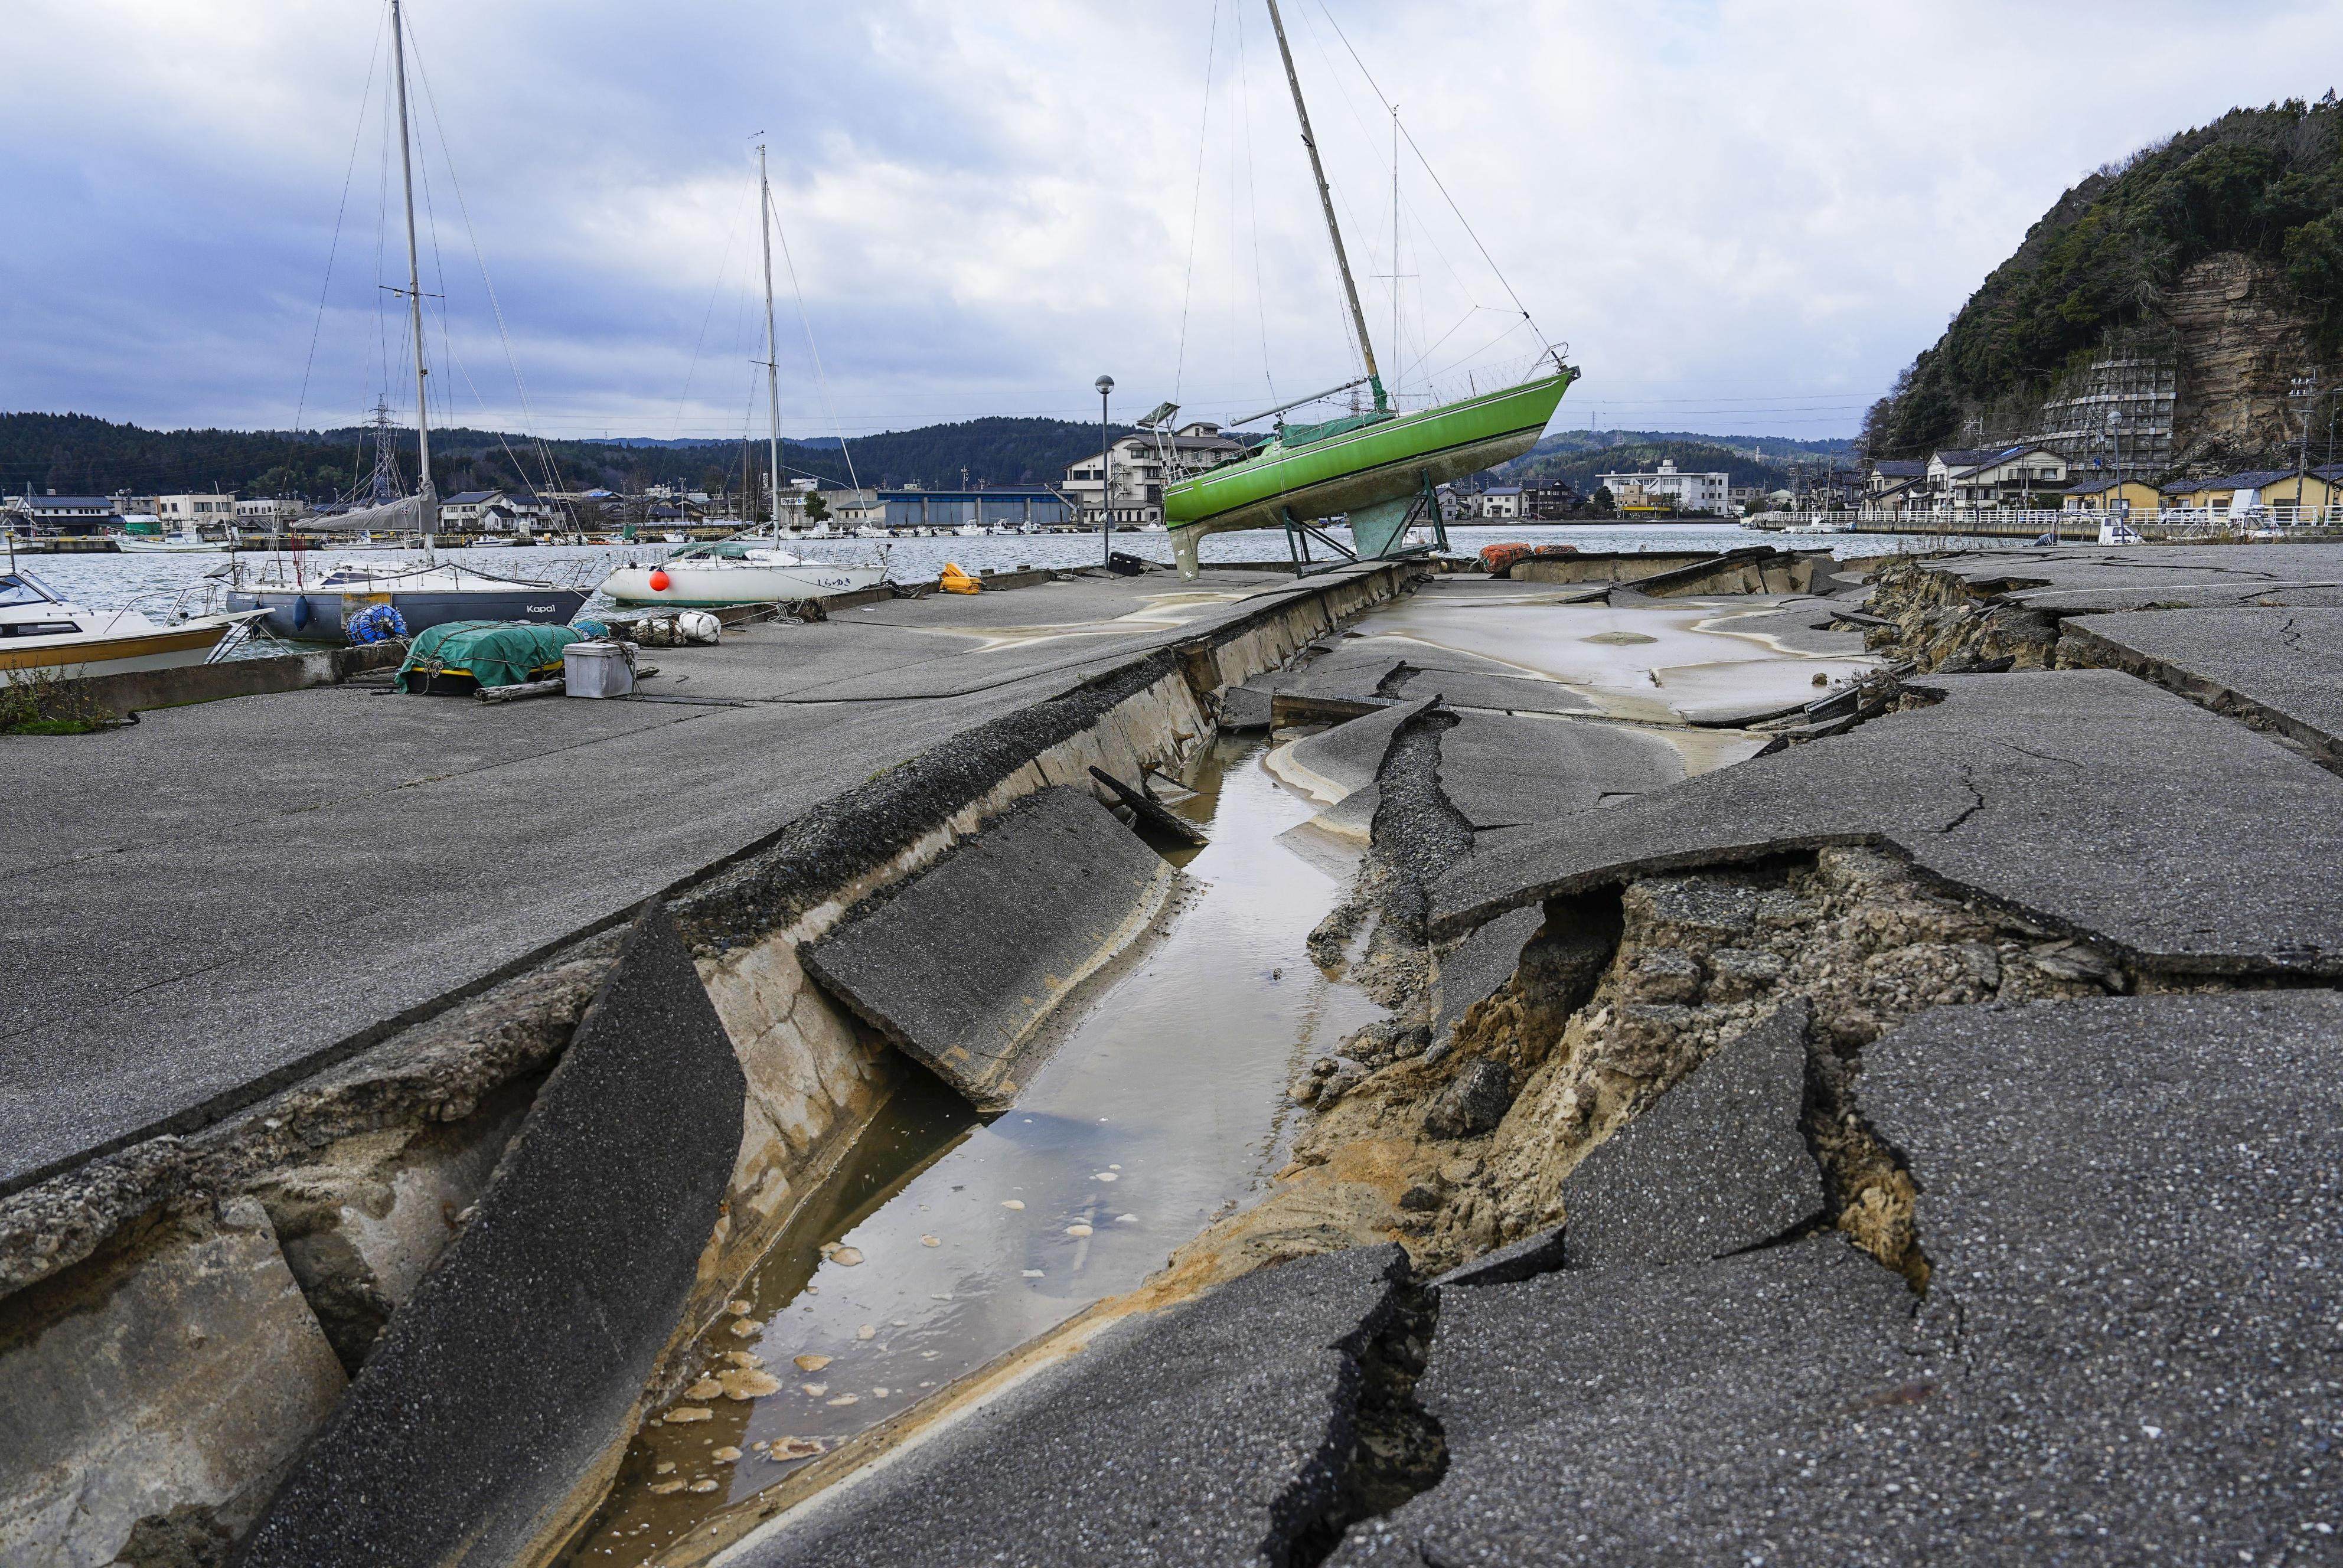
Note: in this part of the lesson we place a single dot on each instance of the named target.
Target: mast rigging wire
(1196, 201)
(1437, 183)
(349, 172)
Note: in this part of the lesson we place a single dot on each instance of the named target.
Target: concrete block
(485, 1425)
(185, 1375)
(961, 965)
(1717, 1164)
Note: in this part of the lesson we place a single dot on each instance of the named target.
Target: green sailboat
(1378, 467)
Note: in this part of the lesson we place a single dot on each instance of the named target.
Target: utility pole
(2305, 389)
(1105, 385)
(772, 344)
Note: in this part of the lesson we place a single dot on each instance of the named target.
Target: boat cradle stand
(1376, 532)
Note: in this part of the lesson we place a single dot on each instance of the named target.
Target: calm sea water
(152, 583)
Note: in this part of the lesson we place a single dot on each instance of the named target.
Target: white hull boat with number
(43, 634)
(736, 571)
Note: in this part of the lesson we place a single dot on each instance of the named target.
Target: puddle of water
(1661, 665)
(1165, 1106)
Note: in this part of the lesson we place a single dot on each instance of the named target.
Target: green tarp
(492, 652)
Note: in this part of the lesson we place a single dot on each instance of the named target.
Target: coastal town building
(1668, 489)
(2018, 475)
(2111, 494)
(201, 511)
(1144, 462)
(53, 513)
(1503, 503)
(267, 513)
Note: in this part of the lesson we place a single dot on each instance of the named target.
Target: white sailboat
(751, 567)
(323, 603)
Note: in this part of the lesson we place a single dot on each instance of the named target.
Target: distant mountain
(2217, 252)
(76, 454)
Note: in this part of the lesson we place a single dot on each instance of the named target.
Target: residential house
(1667, 490)
(2111, 494)
(1144, 462)
(493, 511)
(1503, 503)
(2019, 476)
(1554, 499)
(2281, 490)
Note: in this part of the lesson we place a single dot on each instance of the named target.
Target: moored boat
(45, 634)
(742, 570)
(320, 607)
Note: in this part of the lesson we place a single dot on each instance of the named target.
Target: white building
(492, 511)
(1503, 503)
(1668, 489)
(269, 513)
(1144, 462)
(195, 511)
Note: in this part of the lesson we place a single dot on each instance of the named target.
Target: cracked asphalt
(2127, 1346)
(226, 895)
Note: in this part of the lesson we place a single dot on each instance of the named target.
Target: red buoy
(659, 581)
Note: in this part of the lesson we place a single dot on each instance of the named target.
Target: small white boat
(871, 531)
(183, 541)
(742, 571)
(970, 530)
(43, 633)
(2115, 531)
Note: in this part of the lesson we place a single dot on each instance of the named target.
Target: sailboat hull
(1359, 469)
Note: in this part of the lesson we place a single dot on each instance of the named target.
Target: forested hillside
(2252, 203)
(1579, 466)
(74, 454)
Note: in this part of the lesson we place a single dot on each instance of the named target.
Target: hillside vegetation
(74, 454)
(2263, 183)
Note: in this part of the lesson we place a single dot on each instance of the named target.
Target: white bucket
(595, 669)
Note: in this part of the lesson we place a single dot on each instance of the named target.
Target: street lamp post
(1106, 477)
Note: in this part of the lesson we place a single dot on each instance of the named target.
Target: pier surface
(223, 896)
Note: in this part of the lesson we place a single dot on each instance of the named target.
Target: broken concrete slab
(2126, 1350)
(1502, 770)
(1246, 708)
(1337, 762)
(185, 1378)
(1474, 968)
(1717, 1165)
(1679, 1414)
(2084, 800)
(960, 965)
(483, 1424)
(1148, 809)
(2085, 580)
(1542, 1253)
(1504, 693)
(1212, 1432)
(2278, 669)
(1810, 625)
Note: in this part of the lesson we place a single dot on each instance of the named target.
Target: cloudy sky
(1740, 217)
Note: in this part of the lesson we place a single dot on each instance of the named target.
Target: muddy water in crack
(1163, 1107)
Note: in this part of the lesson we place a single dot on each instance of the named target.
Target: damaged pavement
(1911, 1144)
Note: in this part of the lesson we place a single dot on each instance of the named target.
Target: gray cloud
(1742, 216)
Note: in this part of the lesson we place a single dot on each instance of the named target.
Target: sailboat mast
(772, 353)
(425, 493)
(1326, 201)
